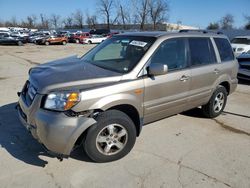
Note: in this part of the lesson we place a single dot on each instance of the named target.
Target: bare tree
(68, 21)
(105, 8)
(158, 10)
(79, 18)
(13, 21)
(31, 21)
(247, 18)
(213, 26)
(141, 12)
(122, 13)
(91, 21)
(44, 22)
(227, 21)
(55, 20)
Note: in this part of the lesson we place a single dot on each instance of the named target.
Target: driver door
(167, 94)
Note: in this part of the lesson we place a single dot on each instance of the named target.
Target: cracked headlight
(61, 101)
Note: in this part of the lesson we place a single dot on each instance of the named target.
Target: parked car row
(53, 37)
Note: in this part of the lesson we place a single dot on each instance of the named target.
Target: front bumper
(55, 130)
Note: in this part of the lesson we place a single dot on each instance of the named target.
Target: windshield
(241, 41)
(120, 53)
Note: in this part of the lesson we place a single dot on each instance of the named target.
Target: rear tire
(111, 138)
(216, 104)
(89, 42)
(19, 43)
(47, 43)
(64, 42)
(77, 41)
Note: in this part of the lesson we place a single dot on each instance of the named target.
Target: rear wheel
(216, 104)
(111, 138)
(64, 42)
(19, 43)
(77, 41)
(89, 42)
(47, 43)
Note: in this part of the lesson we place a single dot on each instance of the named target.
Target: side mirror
(157, 69)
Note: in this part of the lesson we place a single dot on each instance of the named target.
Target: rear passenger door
(204, 69)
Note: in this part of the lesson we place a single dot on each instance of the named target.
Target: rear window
(225, 49)
(201, 51)
(241, 41)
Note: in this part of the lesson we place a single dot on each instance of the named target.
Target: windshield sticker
(138, 43)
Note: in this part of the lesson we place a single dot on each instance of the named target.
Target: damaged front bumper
(55, 130)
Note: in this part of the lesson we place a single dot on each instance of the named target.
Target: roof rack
(199, 30)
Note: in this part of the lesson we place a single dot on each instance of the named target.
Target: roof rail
(199, 30)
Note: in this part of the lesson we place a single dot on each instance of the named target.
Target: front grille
(29, 93)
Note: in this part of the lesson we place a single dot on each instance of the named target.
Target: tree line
(107, 11)
(227, 22)
(114, 12)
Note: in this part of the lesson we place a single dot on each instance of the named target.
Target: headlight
(240, 49)
(61, 101)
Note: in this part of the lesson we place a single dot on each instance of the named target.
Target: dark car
(244, 66)
(8, 39)
(100, 32)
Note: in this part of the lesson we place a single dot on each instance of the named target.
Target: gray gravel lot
(185, 150)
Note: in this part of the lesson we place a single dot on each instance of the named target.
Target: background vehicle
(78, 37)
(99, 31)
(58, 39)
(94, 39)
(125, 82)
(7, 38)
(244, 66)
(241, 45)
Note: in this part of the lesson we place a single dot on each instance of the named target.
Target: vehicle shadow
(19, 143)
(16, 140)
(195, 112)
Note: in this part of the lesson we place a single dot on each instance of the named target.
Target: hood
(70, 74)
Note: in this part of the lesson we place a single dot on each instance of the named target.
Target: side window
(225, 49)
(171, 52)
(201, 51)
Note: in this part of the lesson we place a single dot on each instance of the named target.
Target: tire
(77, 41)
(89, 42)
(109, 126)
(64, 42)
(19, 43)
(47, 43)
(216, 104)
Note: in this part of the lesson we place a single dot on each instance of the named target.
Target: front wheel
(19, 43)
(64, 43)
(216, 104)
(47, 43)
(111, 138)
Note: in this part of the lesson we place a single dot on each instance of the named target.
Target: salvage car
(244, 66)
(7, 38)
(94, 39)
(78, 37)
(241, 45)
(100, 101)
(54, 39)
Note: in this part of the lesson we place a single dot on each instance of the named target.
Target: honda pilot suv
(101, 100)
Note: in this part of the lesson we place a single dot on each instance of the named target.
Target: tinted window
(171, 53)
(241, 41)
(225, 49)
(201, 51)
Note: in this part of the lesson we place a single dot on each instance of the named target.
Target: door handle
(216, 71)
(184, 78)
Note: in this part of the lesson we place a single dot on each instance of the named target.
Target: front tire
(111, 138)
(64, 43)
(216, 104)
(19, 43)
(47, 43)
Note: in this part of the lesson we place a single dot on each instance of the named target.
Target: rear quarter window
(225, 49)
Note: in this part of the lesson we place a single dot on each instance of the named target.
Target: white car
(241, 45)
(94, 39)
